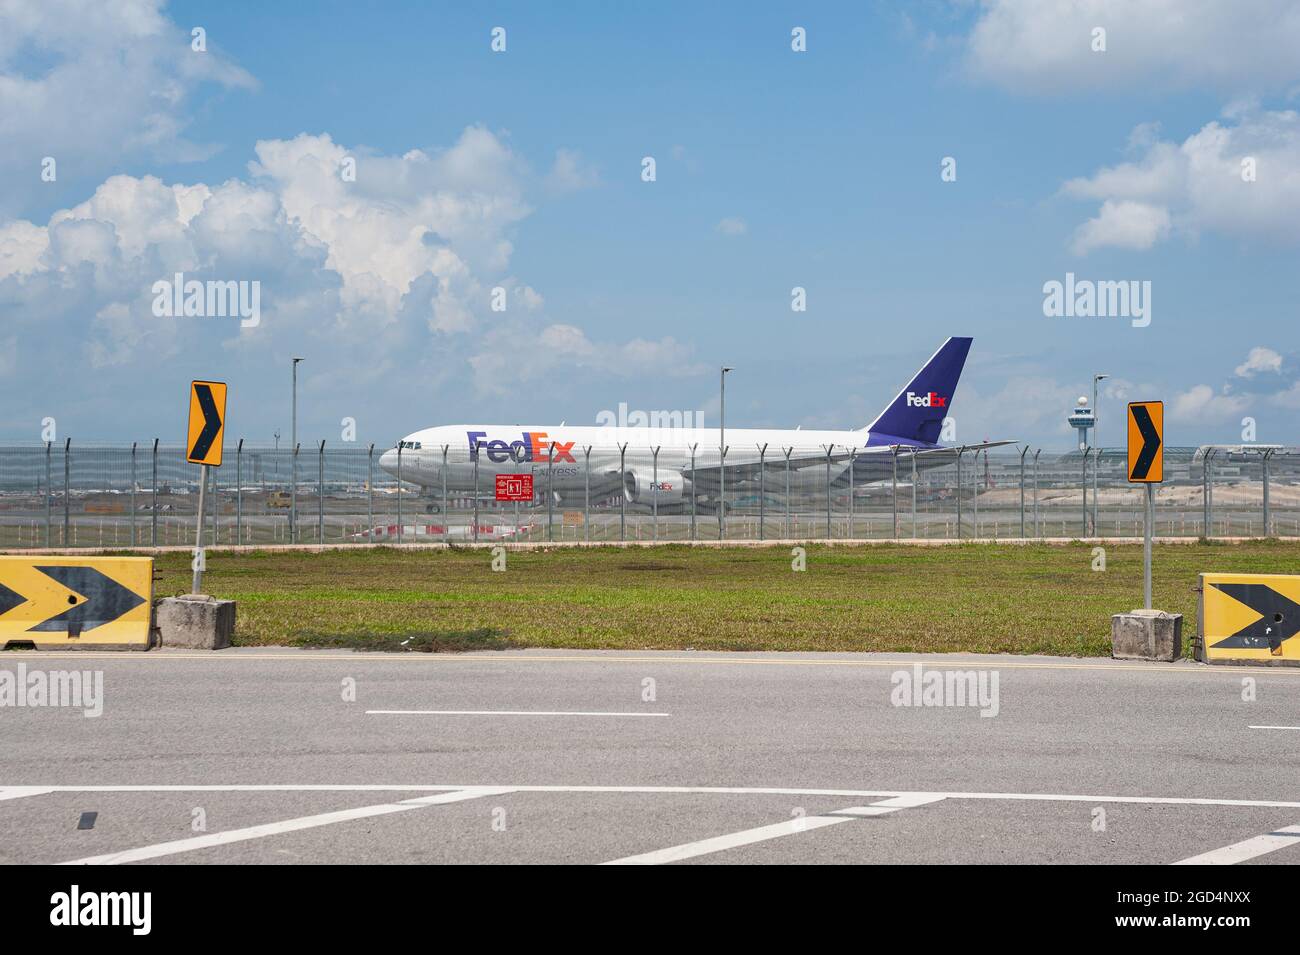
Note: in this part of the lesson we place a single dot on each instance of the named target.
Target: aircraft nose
(388, 461)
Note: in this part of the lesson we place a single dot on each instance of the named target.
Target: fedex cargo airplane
(578, 460)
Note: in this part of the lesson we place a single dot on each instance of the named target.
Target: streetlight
(722, 455)
(293, 450)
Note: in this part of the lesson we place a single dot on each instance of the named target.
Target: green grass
(976, 597)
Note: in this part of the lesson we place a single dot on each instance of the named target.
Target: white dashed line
(502, 713)
(1275, 727)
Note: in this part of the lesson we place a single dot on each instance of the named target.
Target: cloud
(1259, 360)
(1238, 178)
(384, 280)
(1047, 45)
(1202, 405)
(570, 173)
(90, 83)
(1123, 224)
(732, 226)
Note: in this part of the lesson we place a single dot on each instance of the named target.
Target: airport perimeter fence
(146, 494)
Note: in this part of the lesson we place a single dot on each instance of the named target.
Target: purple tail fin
(916, 415)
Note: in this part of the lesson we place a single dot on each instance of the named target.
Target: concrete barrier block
(195, 621)
(1146, 635)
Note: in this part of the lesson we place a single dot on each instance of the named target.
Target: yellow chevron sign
(66, 602)
(1250, 617)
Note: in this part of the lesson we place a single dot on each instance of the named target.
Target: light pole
(722, 455)
(293, 443)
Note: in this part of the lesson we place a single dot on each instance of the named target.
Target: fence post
(370, 495)
(762, 490)
(913, 457)
(1207, 502)
(1084, 481)
(474, 451)
(1038, 527)
(399, 493)
(853, 455)
(239, 492)
(153, 533)
(960, 451)
(622, 492)
(446, 507)
(550, 494)
(49, 492)
(67, 481)
(1096, 466)
(1023, 452)
(830, 449)
(293, 494)
(694, 479)
(1268, 523)
(975, 500)
(654, 486)
(586, 495)
(132, 493)
(788, 452)
(320, 494)
(894, 496)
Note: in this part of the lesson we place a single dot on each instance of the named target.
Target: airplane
(602, 462)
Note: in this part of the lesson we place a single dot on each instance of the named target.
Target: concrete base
(195, 621)
(1146, 635)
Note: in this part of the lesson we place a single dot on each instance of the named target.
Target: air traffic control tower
(1081, 419)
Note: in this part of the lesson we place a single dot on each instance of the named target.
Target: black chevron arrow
(105, 599)
(1279, 617)
(1150, 442)
(211, 421)
(9, 599)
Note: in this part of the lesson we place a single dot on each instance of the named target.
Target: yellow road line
(929, 660)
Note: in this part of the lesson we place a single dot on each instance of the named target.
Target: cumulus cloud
(385, 278)
(1201, 405)
(1033, 46)
(1259, 361)
(1239, 177)
(98, 82)
(732, 226)
(1123, 224)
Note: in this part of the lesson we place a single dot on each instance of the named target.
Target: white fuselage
(570, 459)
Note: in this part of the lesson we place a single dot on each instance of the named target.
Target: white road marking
(19, 792)
(690, 850)
(1248, 848)
(705, 790)
(287, 825)
(503, 713)
(1275, 727)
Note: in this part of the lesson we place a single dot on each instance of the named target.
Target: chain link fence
(146, 494)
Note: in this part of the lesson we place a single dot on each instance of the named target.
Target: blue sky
(775, 169)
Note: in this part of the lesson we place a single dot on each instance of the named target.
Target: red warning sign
(514, 487)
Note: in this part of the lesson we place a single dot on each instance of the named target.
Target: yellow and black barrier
(61, 603)
(1250, 618)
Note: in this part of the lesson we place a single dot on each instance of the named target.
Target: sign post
(1146, 465)
(207, 425)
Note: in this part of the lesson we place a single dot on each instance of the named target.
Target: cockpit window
(411, 445)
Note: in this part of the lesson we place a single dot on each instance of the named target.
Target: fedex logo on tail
(535, 446)
(931, 400)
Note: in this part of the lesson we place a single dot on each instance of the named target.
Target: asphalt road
(273, 755)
